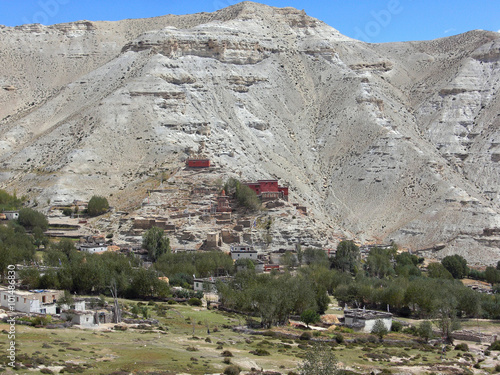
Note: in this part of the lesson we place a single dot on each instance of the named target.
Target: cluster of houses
(48, 301)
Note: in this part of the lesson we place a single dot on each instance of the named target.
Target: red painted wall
(268, 185)
(198, 163)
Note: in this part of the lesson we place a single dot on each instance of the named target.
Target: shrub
(462, 347)
(226, 353)
(194, 301)
(396, 326)
(41, 320)
(495, 345)
(339, 338)
(260, 352)
(67, 211)
(305, 336)
(231, 370)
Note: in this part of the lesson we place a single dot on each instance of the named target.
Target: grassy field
(194, 340)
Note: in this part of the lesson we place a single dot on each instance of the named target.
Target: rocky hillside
(383, 141)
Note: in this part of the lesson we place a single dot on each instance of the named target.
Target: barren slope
(394, 141)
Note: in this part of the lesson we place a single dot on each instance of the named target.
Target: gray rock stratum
(384, 141)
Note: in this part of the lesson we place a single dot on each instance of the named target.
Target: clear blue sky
(368, 20)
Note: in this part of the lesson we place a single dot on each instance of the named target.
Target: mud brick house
(223, 203)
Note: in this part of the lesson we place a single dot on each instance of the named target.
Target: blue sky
(369, 20)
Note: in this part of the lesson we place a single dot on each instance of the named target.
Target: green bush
(462, 347)
(260, 352)
(41, 320)
(396, 326)
(339, 338)
(97, 206)
(231, 370)
(226, 353)
(67, 211)
(305, 336)
(495, 345)
(194, 301)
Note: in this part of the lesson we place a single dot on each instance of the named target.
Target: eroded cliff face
(392, 141)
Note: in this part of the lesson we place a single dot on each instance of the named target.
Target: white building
(33, 301)
(11, 215)
(364, 320)
(92, 249)
(243, 252)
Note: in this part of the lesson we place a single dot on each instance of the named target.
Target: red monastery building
(269, 189)
(198, 163)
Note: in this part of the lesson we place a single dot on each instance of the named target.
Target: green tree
(379, 329)
(9, 202)
(39, 238)
(456, 265)
(31, 219)
(309, 316)
(289, 260)
(424, 330)
(97, 205)
(67, 299)
(492, 275)
(438, 271)
(245, 196)
(156, 243)
(15, 246)
(446, 313)
(347, 257)
(379, 263)
(30, 277)
(145, 283)
(319, 360)
(315, 256)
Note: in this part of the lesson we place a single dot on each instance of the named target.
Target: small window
(17, 299)
(25, 300)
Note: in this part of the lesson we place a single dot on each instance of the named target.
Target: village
(192, 208)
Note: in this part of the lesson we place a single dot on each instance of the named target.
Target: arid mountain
(383, 141)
